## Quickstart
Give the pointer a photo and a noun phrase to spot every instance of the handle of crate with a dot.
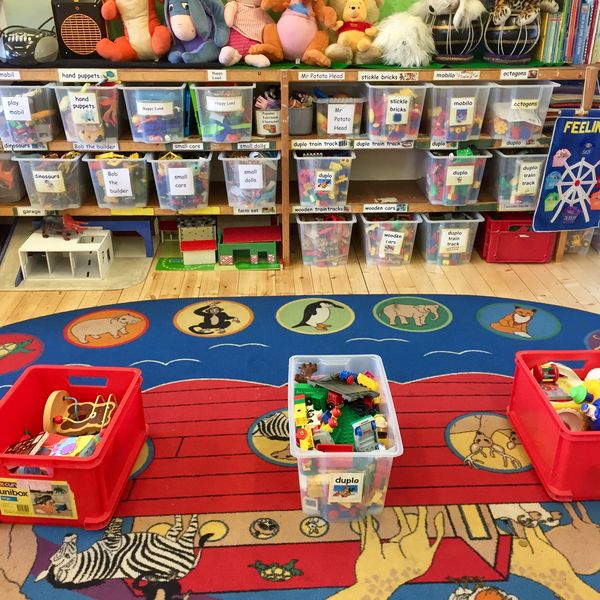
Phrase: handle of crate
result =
(585, 359)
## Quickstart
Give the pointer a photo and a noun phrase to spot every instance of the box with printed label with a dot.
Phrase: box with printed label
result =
(514, 178)
(28, 115)
(156, 114)
(251, 178)
(340, 115)
(90, 114)
(224, 112)
(325, 239)
(54, 183)
(349, 484)
(11, 182)
(454, 113)
(389, 238)
(451, 179)
(324, 177)
(518, 112)
(447, 238)
(53, 486)
(182, 183)
(121, 181)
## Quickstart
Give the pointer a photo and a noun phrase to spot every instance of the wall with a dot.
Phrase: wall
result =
(26, 12)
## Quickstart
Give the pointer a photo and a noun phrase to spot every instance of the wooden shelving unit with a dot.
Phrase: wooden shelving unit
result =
(404, 196)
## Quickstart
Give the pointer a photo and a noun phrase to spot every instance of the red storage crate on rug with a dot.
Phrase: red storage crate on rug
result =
(69, 490)
(509, 237)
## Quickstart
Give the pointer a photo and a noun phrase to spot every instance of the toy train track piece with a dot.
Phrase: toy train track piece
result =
(349, 392)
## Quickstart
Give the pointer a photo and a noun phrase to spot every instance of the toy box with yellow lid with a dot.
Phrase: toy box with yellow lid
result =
(339, 112)
(69, 440)
(325, 239)
(555, 410)
(54, 180)
(343, 432)
(120, 180)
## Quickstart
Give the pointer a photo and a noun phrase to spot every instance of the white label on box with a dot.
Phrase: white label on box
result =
(529, 176)
(99, 147)
(29, 211)
(520, 143)
(321, 209)
(16, 108)
(148, 108)
(443, 145)
(319, 144)
(84, 108)
(524, 103)
(451, 75)
(191, 146)
(370, 144)
(321, 76)
(381, 208)
(216, 75)
(251, 177)
(453, 241)
(391, 243)
(253, 146)
(398, 107)
(462, 111)
(268, 122)
(48, 182)
(117, 182)
(519, 74)
(346, 487)
(10, 75)
(18, 147)
(87, 75)
(340, 119)
(261, 210)
(224, 103)
(181, 181)
(388, 75)
(460, 175)
(324, 180)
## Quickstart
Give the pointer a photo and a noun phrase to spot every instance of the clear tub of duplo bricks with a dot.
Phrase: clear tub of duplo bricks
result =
(514, 177)
(454, 113)
(324, 177)
(325, 239)
(343, 486)
(389, 238)
(447, 238)
(28, 115)
(450, 179)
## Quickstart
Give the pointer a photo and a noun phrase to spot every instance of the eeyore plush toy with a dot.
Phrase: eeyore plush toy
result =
(198, 29)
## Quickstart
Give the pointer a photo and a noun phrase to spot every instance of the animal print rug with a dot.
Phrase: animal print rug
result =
(212, 509)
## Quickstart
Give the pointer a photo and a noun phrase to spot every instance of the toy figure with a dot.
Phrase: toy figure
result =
(247, 21)
(527, 10)
(296, 35)
(216, 320)
(198, 28)
(145, 38)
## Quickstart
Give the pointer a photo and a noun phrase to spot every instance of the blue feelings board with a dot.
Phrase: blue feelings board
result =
(570, 190)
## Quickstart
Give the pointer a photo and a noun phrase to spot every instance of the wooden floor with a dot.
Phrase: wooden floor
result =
(574, 282)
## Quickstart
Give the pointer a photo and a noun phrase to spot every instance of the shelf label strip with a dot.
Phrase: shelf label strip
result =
(85, 75)
(519, 74)
(448, 75)
(321, 209)
(375, 75)
(147, 211)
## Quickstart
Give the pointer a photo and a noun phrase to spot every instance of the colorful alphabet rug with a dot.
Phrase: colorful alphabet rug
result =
(213, 509)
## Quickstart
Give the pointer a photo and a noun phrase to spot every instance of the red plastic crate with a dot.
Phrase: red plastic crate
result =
(509, 237)
(567, 462)
(95, 482)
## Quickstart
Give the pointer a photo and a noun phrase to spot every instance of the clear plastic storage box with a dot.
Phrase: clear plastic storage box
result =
(251, 181)
(89, 115)
(119, 182)
(454, 113)
(182, 183)
(395, 111)
(339, 116)
(345, 486)
(447, 238)
(28, 114)
(324, 177)
(54, 183)
(452, 180)
(389, 238)
(225, 112)
(514, 177)
(578, 242)
(518, 112)
(11, 182)
(156, 114)
(325, 239)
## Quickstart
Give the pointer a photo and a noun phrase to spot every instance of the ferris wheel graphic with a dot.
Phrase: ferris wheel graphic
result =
(576, 186)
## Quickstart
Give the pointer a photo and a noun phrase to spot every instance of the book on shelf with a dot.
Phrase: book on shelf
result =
(541, 44)
(581, 31)
(589, 47)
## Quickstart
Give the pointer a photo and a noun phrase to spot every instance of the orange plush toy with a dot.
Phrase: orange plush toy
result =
(145, 38)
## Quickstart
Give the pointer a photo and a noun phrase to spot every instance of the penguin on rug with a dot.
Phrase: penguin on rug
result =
(316, 314)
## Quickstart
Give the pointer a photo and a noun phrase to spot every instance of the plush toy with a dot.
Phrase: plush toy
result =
(247, 21)
(527, 10)
(464, 11)
(145, 38)
(296, 35)
(198, 28)
(355, 34)
(404, 40)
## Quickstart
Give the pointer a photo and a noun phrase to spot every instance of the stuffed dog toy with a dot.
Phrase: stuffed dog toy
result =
(464, 11)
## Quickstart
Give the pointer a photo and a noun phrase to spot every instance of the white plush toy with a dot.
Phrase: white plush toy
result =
(464, 11)
(404, 40)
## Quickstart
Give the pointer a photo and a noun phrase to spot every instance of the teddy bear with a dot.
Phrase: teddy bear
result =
(355, 34)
